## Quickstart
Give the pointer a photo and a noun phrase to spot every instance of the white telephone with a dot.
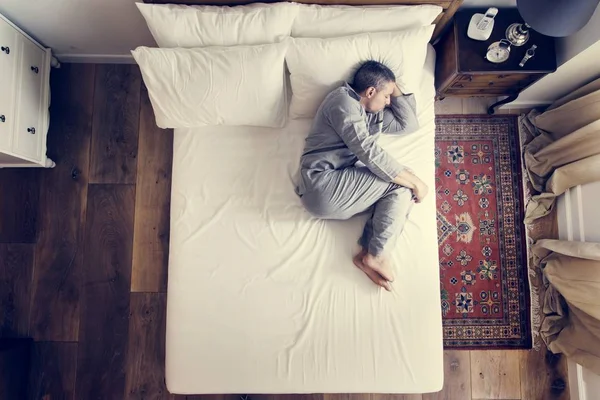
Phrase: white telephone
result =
(481, 25)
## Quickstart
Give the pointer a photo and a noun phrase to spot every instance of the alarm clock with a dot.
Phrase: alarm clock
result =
(498, 52)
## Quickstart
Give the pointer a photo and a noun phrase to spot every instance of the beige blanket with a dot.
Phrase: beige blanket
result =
(571, 303)
(566, 149)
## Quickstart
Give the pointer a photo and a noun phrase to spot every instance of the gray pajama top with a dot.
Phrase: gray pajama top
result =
(343, 133)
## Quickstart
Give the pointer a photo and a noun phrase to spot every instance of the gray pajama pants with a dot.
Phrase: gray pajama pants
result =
(343, 193)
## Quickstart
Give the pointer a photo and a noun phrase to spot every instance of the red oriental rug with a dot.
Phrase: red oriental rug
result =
(481, 237)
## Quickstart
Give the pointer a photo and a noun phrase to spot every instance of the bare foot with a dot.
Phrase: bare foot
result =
(380, 264)
(372, 274)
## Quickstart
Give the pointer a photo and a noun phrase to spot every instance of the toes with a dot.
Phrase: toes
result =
(386, 285)
(377, 279)
(385, 273)
(381, 269)
(360, 260)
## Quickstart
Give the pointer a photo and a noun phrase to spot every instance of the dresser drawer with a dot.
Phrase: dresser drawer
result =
(24, 98)
(8, 67)
(28, 132)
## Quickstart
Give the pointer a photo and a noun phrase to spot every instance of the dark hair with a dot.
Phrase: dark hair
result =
(372, 74)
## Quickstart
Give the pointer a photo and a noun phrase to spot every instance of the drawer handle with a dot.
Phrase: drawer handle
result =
(5, 49)
(501, 76)
(459, 85)
(2, 118)
(31, 130)
(470, 78)
(491, 84)
(35, 69)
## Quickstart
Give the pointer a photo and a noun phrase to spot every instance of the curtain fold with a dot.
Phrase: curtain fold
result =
(565, 151)
(571, 301)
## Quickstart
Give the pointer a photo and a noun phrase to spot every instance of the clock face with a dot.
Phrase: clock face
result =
(497, 54)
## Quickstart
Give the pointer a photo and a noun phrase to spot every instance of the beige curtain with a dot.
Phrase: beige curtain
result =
(565, 151)
(571, 300)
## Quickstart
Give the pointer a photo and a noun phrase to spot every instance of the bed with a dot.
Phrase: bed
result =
(264, 298)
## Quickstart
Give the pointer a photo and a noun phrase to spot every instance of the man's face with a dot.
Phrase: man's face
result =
(376, 100)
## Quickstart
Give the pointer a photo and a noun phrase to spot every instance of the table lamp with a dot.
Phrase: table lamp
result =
(556, 18)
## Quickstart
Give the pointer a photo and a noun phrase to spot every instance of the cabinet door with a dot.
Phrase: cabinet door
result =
(8, 67)
(28, 133)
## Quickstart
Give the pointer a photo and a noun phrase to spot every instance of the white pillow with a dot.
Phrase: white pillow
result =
(200, 26)
(319, 65)
(241, 85)
(333, 21)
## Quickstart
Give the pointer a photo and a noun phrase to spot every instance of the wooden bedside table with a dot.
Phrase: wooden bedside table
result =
(462, 71)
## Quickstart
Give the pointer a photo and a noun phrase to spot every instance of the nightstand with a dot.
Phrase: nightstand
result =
(462, 70)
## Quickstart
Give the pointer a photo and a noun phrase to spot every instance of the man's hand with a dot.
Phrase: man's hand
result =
(409, 180)
(397, 92)
(420, 191)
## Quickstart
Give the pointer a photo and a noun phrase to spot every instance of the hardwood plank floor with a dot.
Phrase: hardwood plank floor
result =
(53, 371)
(395, 397)
(543, 376)
(152, 204)
(495, 374)
(14, 368)
(59, 256)
(146, 352)
(19, 194)
(103, 236)
(211, 397)
(16, 268)
(106, 286)
(457, 377)
(115, 126)
(344, 396)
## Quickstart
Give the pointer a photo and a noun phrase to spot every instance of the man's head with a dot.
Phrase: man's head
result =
(375, 83)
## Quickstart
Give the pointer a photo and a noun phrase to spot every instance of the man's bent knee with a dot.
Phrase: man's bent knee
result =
(318, 206)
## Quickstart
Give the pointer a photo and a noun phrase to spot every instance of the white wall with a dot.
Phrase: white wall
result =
(574, 73)
(570, 46)
(101, 30)
(578, 214)
(105, 29)
(577, 58)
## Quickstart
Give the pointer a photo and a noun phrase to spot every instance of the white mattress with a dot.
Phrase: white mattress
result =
(263, 298)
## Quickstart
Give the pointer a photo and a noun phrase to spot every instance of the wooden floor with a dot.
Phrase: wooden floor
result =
(84, 247)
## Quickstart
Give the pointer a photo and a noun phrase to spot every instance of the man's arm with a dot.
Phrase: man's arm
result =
(407, 179)
(347, 120)
(401, 116)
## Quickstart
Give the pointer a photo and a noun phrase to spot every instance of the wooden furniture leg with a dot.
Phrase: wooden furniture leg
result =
(509, 99)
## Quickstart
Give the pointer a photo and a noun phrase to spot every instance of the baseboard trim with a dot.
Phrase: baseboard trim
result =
(572, 228)
(96, 58)
(525, 104)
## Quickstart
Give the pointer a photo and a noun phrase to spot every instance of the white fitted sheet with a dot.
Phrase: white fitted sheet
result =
(263, 298)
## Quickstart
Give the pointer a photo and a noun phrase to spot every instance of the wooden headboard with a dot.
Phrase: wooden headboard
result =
(450, 6)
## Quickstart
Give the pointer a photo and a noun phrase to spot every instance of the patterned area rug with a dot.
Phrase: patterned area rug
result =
(481, 237)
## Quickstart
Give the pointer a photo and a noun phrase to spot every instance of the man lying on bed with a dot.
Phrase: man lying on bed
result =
(344, 132)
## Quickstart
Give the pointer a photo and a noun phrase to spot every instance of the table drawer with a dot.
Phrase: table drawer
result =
(469, 92)
(460, 84)
(494, 80)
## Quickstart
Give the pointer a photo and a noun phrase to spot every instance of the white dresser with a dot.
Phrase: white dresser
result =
(24, 99)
